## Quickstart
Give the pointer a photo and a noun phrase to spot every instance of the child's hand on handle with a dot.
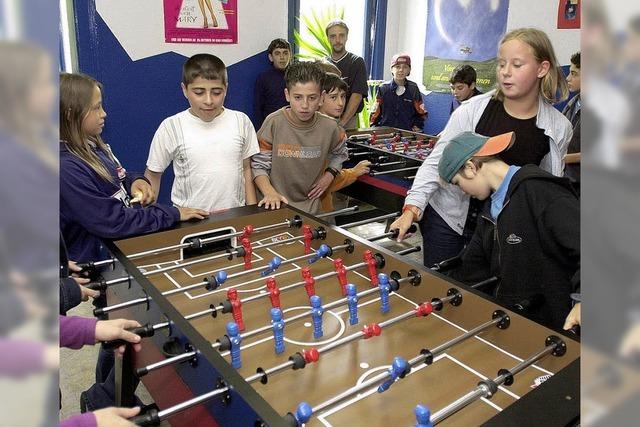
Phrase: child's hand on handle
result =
(320, 186)
(115, 417)
(191, 213)
(142, 192)
(272, 200)
(402, 224)
(362, 167)
(573, 319)
(110, 330)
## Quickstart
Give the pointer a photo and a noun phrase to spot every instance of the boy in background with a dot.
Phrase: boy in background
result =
(463, 85)
(399, 102)
(269, 90)
(296, 143)
(334, 98)
(528, 234)
(210, 145)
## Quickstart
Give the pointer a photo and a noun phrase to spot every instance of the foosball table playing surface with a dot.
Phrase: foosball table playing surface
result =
(277, 318)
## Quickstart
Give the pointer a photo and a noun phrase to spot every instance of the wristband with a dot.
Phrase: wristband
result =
(413, 209)
(332, 171)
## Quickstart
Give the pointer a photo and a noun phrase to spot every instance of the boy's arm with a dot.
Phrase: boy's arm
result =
(260, 169)
(250, 197)
(560, 223)
(339, 153)
(420, 112)
(161, 155)
(155, 179)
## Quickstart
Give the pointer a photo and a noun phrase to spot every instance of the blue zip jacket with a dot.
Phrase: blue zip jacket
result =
(404, 111)
(92, 208)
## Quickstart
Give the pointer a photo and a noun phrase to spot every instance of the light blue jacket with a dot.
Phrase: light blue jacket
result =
(450, 201)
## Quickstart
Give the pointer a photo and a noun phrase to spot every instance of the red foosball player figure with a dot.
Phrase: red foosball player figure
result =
(248, 252)
(341, 272)
(309, 282)
(371, 265)
(274, 292)
(308, 237)
(236, 307)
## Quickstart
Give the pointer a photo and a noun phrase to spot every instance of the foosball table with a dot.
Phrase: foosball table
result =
(276, 318)
(395, 157)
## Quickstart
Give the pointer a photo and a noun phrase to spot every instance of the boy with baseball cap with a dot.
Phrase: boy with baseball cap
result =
(528, 235)
(399, 102)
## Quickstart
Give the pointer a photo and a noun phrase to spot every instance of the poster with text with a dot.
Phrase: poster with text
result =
(201, 21)
(463, 32)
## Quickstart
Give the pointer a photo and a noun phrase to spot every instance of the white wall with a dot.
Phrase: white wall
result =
(407, 23)
(139, 27)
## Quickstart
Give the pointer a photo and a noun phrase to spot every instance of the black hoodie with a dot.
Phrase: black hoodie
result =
(533, 247)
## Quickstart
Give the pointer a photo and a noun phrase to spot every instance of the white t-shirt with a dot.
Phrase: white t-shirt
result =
(207, 158)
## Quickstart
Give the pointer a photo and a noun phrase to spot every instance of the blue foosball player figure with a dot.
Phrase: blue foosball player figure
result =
(385, 288)
(352, 300)
(233, 332)
(316, 315)
(423, 416)
(278, 329)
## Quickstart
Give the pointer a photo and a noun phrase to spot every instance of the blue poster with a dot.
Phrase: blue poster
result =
(463, 32)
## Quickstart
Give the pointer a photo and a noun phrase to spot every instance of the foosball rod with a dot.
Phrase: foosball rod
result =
(103, 284)
(154, 417)
(339, 212)
(499, 318)
(395, 280)
(414, 279)
(391, 234)
(487, 388)
(214, 281)
(376, 173)
(247, 230)
(380, 261)
(370, 220)
(299, 360)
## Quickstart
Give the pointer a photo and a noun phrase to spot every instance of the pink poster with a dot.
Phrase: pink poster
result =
(201, 21)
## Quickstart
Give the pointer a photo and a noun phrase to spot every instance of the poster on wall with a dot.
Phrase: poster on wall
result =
(463, 32)
(568, 14)
(201, 21)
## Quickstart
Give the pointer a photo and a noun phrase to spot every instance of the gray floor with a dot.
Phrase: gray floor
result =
(77, 367)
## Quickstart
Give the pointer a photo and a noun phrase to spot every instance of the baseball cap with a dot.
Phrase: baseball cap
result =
(401, 58)
(466, 145)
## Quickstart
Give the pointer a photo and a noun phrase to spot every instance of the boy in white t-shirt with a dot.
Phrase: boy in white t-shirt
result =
(210, 146)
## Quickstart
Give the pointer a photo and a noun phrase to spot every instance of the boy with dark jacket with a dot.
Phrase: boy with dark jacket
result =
(399, 102)
(528, 235)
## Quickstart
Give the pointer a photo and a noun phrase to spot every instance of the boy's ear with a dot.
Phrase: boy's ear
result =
(270, 57)
(543, 68)
(286, 94)
(184, 89)
(469, 169)
(472, 86)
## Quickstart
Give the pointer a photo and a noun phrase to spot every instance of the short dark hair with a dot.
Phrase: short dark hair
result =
(278, 44)
(333, 81)
(204, 65)
(463, 74)
(575, 59)
(303, 72)
(336, 23)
